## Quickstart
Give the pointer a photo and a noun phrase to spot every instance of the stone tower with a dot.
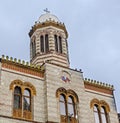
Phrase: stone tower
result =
(49, 41)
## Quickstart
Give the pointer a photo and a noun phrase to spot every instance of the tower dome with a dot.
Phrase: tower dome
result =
(48, 17)
(48, 41)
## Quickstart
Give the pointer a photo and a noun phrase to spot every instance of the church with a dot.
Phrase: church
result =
(47, 90)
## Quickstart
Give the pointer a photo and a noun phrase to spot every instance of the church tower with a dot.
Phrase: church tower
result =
(48, 41)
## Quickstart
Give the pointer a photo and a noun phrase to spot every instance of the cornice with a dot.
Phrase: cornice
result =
(22, 66)
(98, 84)
(47, 24)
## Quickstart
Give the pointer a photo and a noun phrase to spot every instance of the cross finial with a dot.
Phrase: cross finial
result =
(46, 10)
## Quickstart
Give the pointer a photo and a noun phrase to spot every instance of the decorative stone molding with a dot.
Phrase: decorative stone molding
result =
(98, 84)
(67, 93)
(104, 104)
(19, 113)
(100, 103)
(22, 66)
(31, 87)
(46, 24)
(23, 85)
(16, 83)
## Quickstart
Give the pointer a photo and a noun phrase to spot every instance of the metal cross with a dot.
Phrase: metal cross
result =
(46, 10)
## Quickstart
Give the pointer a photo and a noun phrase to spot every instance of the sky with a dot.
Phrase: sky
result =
(93, 27)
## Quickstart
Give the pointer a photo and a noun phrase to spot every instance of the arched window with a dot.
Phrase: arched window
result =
(42, 43)
(17, 98)
(56, 43)
(103, 115)
(62, 105)
(46, 43)
(70, 106)
(33, 47)
(96, 114)
(68, 102)
(27, 100)
(22, 99)
(101, 111)
(60, 44)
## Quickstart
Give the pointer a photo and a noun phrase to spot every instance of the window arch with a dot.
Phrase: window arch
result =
(27, 99)
(33, 47)
(101, 110)
(44, 43)
(62, 104)
(104, 115)
(96, 114)
(71, 106)
(58, 43)
(22, 99)
(17, 98)
(67, 105)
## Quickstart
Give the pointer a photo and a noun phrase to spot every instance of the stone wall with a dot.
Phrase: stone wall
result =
(54, 81)
(6, 95)
(45, 104)
(85, 113)
(109, 99)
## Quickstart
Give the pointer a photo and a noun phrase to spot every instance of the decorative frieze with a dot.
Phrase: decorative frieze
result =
(22, 66)
(98, 86)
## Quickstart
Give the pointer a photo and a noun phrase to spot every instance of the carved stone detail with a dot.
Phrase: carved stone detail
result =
(67, 93)
(100, 103)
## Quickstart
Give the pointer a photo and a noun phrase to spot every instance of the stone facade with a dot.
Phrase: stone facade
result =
(47, 77)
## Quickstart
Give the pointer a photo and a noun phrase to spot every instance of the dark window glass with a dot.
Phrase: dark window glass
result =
(56, 43)
(96, 114)
(60, 44)
(33, 45)
(62, 105)
(42, 43)
(34, 51)
(46, 43)
(27, 100)
(17, 98)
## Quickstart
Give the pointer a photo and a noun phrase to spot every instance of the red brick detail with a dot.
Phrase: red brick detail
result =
(98, 89)
(21, 68)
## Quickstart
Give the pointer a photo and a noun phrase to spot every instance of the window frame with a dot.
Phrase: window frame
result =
(28, 97)
(101, 104)
(68, 93)
(58, 44)
(18, 95)
(44, 43)
(20, 113)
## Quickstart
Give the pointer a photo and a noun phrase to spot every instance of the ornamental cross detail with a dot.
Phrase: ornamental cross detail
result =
(46, 10)
(65, 79)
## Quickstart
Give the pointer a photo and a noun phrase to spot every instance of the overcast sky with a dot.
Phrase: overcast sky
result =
(93, 27)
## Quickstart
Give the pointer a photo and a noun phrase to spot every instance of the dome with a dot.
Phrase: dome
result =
(47, 17)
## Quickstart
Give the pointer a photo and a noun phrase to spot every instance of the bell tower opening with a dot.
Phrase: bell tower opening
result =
(48, 41)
